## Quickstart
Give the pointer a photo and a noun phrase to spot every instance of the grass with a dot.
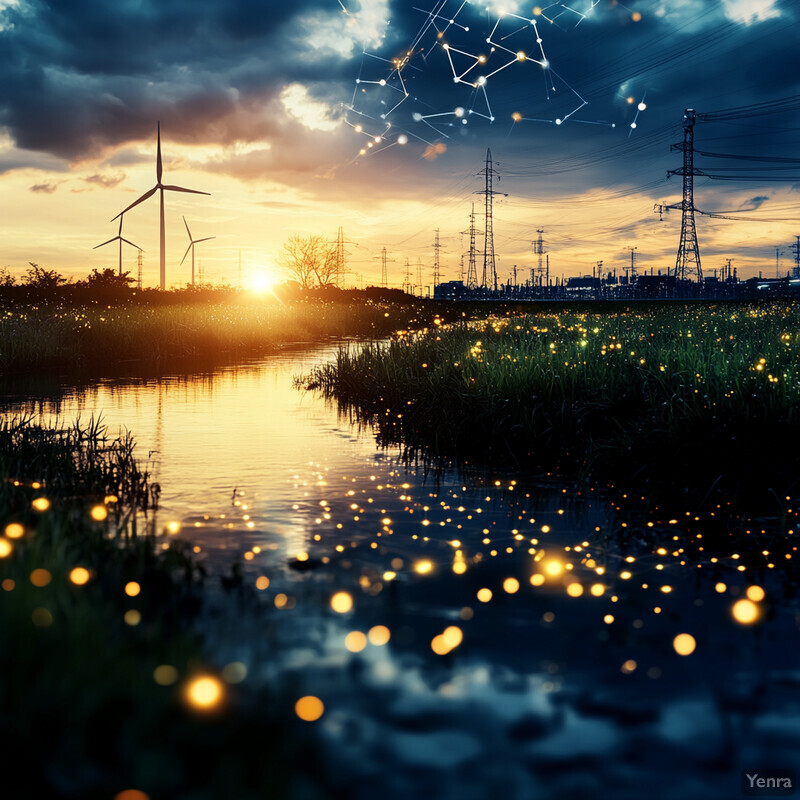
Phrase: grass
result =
(699, 399)
(78, 651)
(96, 339)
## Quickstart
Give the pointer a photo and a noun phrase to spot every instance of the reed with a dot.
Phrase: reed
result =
(79, 700)
(690, 395)
(98, 338)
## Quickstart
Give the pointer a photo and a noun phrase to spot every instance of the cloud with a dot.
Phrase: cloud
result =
(758, 201)
(44, 188)
(315, 115)
(749, 11)
(105, 181)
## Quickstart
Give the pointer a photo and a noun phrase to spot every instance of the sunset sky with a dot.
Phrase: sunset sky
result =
(254, 98)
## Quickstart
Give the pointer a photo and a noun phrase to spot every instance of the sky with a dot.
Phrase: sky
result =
(375, 116)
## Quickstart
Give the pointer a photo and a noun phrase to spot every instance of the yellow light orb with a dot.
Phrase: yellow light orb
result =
(453, 636)
(553, 568)
(15, 531)
(165, 675)
(98, 513)
(342, 602)
(132, 617)
(745, 612)
(379, 635)
(720, 588)
(484, 595)
(755, 593)
(132, 588)
(608, 619)
(537, 579)
(511, 585)
(41, 577)
(575, 590)
(439, 645)
(309, 708)
(79, 576)
(262, 582)
(204, 692)
(423, 567)
(41, 504)
(355, 641)
(131, 794)
(597, 590)
(684, 644)
(5, 548)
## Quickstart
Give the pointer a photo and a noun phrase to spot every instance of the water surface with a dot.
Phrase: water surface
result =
(566, 680)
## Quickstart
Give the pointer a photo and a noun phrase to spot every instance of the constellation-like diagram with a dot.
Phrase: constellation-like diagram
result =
(387, 109)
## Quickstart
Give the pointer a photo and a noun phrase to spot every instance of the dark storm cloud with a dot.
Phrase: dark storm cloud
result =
(78, 76)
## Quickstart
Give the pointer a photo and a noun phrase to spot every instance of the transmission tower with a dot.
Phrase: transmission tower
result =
(436, 265)
(339, 256)
(687, 263)
(419, 275)
(472, 267)
(538, 249)
(489, 260)
(384, 271)
(139, 271)
(407, 279)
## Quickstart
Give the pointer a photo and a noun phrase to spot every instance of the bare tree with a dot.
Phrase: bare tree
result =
(311, 260)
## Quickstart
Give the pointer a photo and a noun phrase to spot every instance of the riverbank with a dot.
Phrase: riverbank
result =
(108, 683)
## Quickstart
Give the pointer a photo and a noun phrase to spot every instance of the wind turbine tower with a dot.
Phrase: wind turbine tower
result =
(119, 238)
(161, 188)
(192, 243)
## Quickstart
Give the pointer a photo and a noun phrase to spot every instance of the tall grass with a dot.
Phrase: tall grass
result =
(91, 338)
(691, 395)
(81, 715)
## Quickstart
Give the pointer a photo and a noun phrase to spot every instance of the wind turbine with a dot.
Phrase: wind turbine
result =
(160, 187)
(192, 243)
(121, 240)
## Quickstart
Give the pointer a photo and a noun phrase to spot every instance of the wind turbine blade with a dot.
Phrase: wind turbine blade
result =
(207, 239)
(127, 241)
(136, 202)
(187, 228)
(108, 242)
(181, 189)
(187, 252)
(159, 166)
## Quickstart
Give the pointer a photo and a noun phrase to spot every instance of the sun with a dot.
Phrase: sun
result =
(262, 281)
